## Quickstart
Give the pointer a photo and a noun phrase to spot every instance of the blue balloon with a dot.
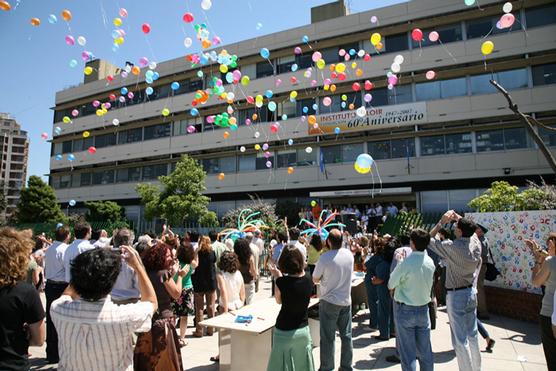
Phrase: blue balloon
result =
(268, 94)
(337, 130)
(229, 77)
(149, 90)
(290, 142)
(57, 130)
(156, 75)
(175, 85)
(315, 106)
(294, 67)
(305, 39)
(352, 52)
(149, 80)
(71, 157)
(194, 112)
(123, 90)
(284, 117)
(272, 106)
(52, 19)
(305, 109)
(364, 161)
(343, 104)
(58, 157)
(265, 53)
(72, 203)
(116, 34)
(73, 63)
(149, 74)
(115, 48)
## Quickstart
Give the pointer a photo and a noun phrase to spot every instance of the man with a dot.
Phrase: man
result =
(55, 276)
(412, 281)
(462, 257)
(94, 332)
(392, 210)
(217, 246)
(482, 310)
(126, 288)
(333, 271)
(81, 244)
(103, 240)
(443, 235)
(294, 237)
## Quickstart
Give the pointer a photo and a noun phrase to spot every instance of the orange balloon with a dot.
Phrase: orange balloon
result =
(359, 72)
(66, 14)
(206, 44)
(4, 5)
(135, 70)
(226, 135)
(333, 88)
(351, 106)
(379, 46)
(35, 22)
(254, 117)
(290, 170)
(312, 119)
(232, 120)
(221, 176)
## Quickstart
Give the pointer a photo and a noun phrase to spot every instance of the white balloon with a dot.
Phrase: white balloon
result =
(206, 4)
(361, 111)
(152, 65)
(187, 42)
(507, 8)
(308, 149)
(395, 67)
(115, 122)
(81, 40)
(257, 134)
(242, 149)
(399, 59)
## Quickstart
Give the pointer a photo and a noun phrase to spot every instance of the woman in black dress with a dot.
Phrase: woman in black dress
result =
(204, 284)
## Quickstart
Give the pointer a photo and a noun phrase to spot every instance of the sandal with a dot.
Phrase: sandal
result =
(183, 342)
(215, 359)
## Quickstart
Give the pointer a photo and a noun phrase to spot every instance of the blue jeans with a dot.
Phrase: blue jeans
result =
(462, 312)
(334, 317)
(372, 301)
(413, 336)
(385, 318)
(482, 330)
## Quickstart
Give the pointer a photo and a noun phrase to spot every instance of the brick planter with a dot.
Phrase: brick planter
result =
(520, 305)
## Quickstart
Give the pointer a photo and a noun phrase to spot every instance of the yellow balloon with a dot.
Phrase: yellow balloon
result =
(321, 64)
(245, 80)
(487, 47)
(293, 94)
(353, 65)
(119, 41)
(376, 38)
(340, 67)
(326, 87)
(66, 120)
(361, 170)
(88, 70)
(99, 112)
(223, 68)
(257, 147)
(117, 22)
(165, 112)
(86, 134)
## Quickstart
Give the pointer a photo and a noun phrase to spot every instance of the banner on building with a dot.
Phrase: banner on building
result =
(375, 118)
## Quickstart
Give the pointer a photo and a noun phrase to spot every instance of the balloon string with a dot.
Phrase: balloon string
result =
(488, 34)
(447, 50)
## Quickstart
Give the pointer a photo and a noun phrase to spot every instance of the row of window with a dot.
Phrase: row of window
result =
(533, 17)
(481, 141)
(443, 89)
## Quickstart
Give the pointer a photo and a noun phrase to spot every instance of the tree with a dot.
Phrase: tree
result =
(179, 198)
(501, 196)
(38, 203)
(108, 211)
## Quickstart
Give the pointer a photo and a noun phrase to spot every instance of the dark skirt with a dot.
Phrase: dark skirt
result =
(158, 349)
(184, 305)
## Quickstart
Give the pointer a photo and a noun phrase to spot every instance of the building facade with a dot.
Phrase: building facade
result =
(436, 143)
(13, 160)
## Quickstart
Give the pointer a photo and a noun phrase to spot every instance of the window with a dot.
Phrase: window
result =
(306, 107)
(330, 55)
(286, 158)
(540, 16)
(434, 201)
(548, 136)
(82, 144)
(484, 26)
(400, 94)
(338, 104)
(180, 127)
(492, 140)
(284, 64)
(344, 153)
(66, 146)
(65, 181)
(105, 140)
(395, 43)
(351, 151)
(261, 161)
(85, 179)
(130, 136)
(131, 174)
(265, 69)
(431, 146)
(402, 148)
(426, 91)
(304, 60)
(332, 154)
(103, 177)
(511, 80)
(458, 143)
(219, 165)
(544, 74)
(379, 150)
(515, 138)
(306, 159)
(157, 131)
(75, 180)
(152, 172)
(448, 34)
(247, 163)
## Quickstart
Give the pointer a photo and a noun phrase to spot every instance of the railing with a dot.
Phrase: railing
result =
(407, 221)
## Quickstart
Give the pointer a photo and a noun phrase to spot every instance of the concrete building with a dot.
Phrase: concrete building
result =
(437, 143)
(13, 160)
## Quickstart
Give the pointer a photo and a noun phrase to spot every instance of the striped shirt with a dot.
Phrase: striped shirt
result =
(98, 335)
(462, 256)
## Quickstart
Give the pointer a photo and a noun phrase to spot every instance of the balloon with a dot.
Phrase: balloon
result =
(188, 17)
(368, 98)
(326, 101)
(123, 12)
(146, 28)
(5, 6)
(75, 113)
(221, 176)
(395, 67)
(92, 150)
(71, 157)
(115, 122)
(194, 112)
(507, 8)
(35, 22)
(363, 163)
(52, 19)
(507, 20)
(361, 111)
(430, 75)
(187, 42)
(293, 94)
(226, 134)
(399, 59)
(434, 36)
(165, 112)
(294, 67)
(271, 106)
(275, 127)
(44, 136)
(58, 157)
(245, 80)
(88, 70)
(487, 47)
(66, 15)
(375, 38)
(175, 85)
(297, 50)
(81, 40)
(149, 90)
(313, 203)
(340, 68)
(290, 142)
(117, 22)
(242, 149)
(72, 203)
(143, 61)
(469, 2)
(417, 35)
(66, 120)
(337, 130)
(86, 134)
(309, 150)
(321, 63)
(312, 119)
(123, 90)
(135, 70)
(265, 53)
(290, 170)
(268, 164)
(206, 4)
(305, 39)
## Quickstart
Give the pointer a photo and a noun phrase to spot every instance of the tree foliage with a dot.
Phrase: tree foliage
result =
(502, 196)
(108, 211)
(38, 203)
(290, 210)
(180, 196)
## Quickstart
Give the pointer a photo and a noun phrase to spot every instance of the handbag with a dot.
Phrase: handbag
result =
(491, 272)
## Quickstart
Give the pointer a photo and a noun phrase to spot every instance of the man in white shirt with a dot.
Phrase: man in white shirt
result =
(334, 271)
(95, 333)
(81, 244)
(55, 276)
(294, 240)
(126, 287)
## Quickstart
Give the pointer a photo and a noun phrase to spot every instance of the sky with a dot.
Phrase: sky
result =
(34, 61)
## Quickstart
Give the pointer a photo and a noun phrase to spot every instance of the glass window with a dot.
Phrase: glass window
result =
(380, 97)
(286, 158)
(54, 182)
(400, 94)
(434, 201)
(152, 172)
(515, 138)
(157, 131)
(247, 163)
(65, 181)
(459, 198)
(85, 179)
(487, 26)
(492, 140)
(453, 88)
(426, 91)
(284, 64)
(305, 105)
(261, 161)
(330, 55)
(480, 84)
(105, 140)
(431, 146)
(540, 16)
(379, 150)
(332, 154)
(544, 74)
(130, 136)
(180, 127)
(210, 165)
(66, 146)
(227, 164)
(131, 174)
(351, 151)
(458, 143)
(288, 108)
(548, 136)
(396, 43)
(306, 159)
(304, 60)
(82, 144)
(103, 177)
(264, 69)
(448, 34)
(403, 148)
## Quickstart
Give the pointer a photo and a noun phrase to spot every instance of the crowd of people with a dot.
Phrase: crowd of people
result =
(123, 303)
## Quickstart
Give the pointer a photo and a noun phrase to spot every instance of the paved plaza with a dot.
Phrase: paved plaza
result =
(518, 346)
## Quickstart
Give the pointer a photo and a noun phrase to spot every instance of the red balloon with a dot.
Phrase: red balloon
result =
(293, 80)
(146, 28)
(367, 57)
(188, 17)
(250, 99)
(110, 78)
(112, 96)
(356, 86)
(417, 35)
(342, 76)
(369, 85)
(92, 150)
(334, 75)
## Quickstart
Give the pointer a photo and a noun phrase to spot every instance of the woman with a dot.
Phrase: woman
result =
(291, 339)
(21, 311)
(246, 267)
(159, 348)
(315, 250)
(204, 285)
(544, 274)
(183, 306)
(373, 258)
(230, 286)
(380, 281)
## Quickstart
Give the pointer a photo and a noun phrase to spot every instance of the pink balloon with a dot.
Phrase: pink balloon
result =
(297, 50)
(75, 113)
(210, 119)
(191, 129)
(143, 61)
(123, 12)
(417, 35)
(327, 101)
(430, 75)
(316, 56)
(44, 136)
(368, 97)
(96, 103)
(107, 105)
(313, 82)
(70, 40)
(434, 36)
(278, 82)
(507, 20)
(393, 80)
(247, 122)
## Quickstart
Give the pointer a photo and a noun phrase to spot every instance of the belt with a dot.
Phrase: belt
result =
(52, 282)
(413, 306)
(460, 288)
